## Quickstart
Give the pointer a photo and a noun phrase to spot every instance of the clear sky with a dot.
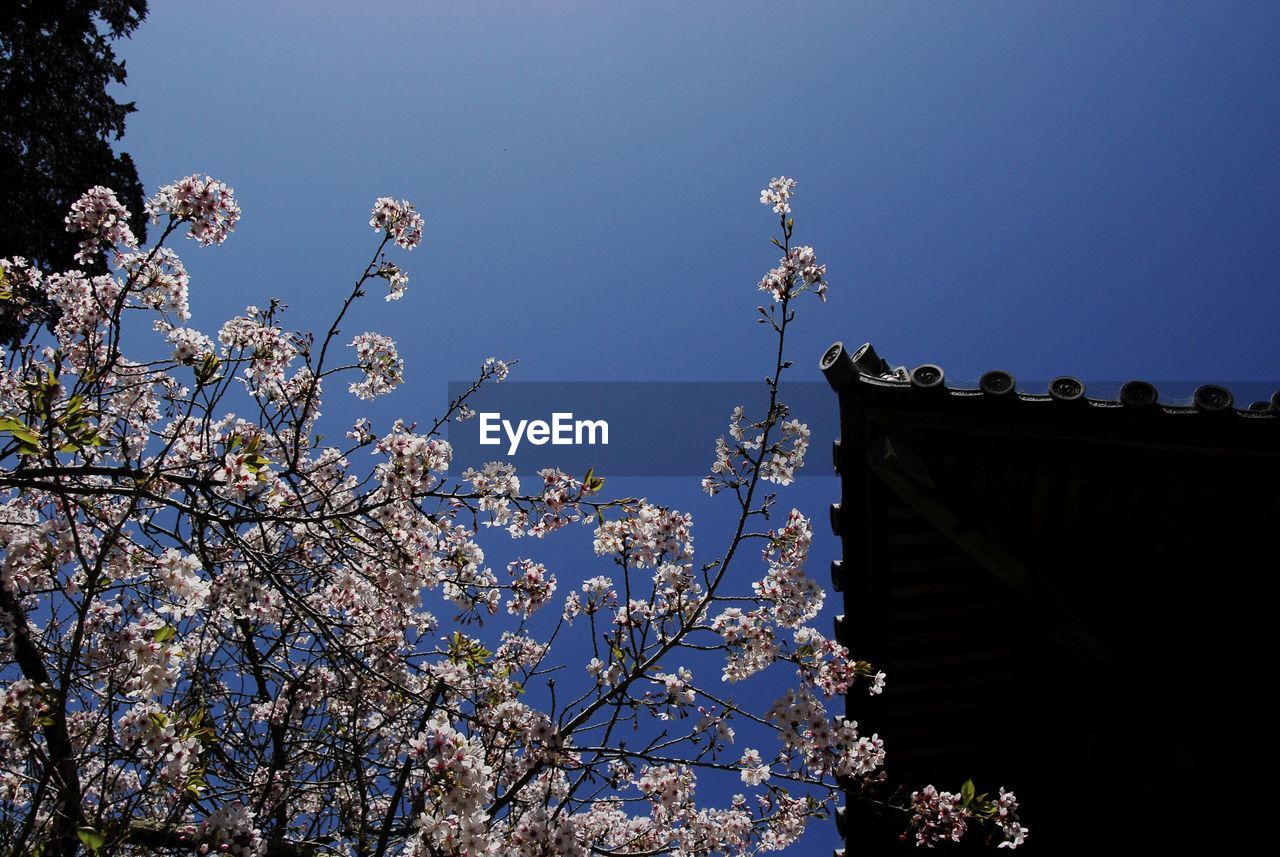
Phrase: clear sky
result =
(1084, 188)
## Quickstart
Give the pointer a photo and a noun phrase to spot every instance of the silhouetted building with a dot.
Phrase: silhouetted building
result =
(1069, 597)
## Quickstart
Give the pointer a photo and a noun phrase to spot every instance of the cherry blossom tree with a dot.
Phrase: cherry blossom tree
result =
(223, 634)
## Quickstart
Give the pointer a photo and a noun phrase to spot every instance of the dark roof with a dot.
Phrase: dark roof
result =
(1136, 398)
(1066, 592)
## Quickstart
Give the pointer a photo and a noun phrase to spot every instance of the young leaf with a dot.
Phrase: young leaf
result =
(91, 839)
(20, 430)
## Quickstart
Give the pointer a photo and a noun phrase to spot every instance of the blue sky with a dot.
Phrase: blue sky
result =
(1084, 188)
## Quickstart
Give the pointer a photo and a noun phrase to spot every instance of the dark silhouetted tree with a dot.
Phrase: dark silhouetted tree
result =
(57, 123)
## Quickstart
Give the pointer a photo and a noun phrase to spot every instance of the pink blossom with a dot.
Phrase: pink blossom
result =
(378, 359)
(206, 203)
(798, 271)
(531, 587)
(778, 194)
(398, 220)
(754, 771)
(159, 281)
(99, 214)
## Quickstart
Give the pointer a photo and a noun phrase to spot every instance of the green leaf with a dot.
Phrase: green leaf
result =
(967, 791)
(468, 651)
(165, 634)
(26, 435)
(92, 839)
(20, 430)
(195, 783)
(207, 370)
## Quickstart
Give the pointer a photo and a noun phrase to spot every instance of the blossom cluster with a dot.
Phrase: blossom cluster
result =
(787, 454)
(86, 303)
(159, 279)
(103, 220)
(531, 587)
(190, 345)
(207, 204)
(777, 462)
(179, 575)
(412, 460)
(399, 221)
(232, 830)
(225, 633)
(647, 535)
(397, 280)
(21, 285)
(496, 486)
(380, 362)
(946, 817)
(677, 694)
(823, 745)
(778, 195)
(268, 348)
(496, 368)
(796, 272)
(749, 639)
(795, 597)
